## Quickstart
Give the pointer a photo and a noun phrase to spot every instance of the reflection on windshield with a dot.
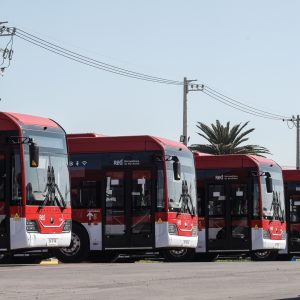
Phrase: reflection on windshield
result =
(49, 183)
(273, 203)
(182, 193)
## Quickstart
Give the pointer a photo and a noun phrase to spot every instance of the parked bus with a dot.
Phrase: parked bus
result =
(35, 207)
(292, 196)
(130, 193)
(241, 206)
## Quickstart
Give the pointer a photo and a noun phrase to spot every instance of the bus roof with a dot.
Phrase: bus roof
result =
(23, 119)
(88, 134)
(208, 161)
(291, 175)
(94, 144)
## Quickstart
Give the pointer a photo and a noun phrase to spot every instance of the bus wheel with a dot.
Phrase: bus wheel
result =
(263, 255)
(79, 248)
(104, 257)
(5, 258)
(178, 254)
(206, 257)
(285, 257)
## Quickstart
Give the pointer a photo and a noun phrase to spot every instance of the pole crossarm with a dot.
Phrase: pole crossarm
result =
(7, 31)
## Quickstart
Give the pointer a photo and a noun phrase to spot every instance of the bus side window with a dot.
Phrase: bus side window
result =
(2, 179)
(160, 204)
(256, 210)
(89, 194)
(16, 180)
(84, 194)
(201, 201)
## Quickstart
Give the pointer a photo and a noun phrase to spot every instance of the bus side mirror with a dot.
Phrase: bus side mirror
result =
(269, 183)
(176, 168)
(34, 155)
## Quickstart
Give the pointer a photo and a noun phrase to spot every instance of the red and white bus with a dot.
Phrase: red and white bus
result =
(291, 180)
(241, 206)
(130, 193)
(35, 207)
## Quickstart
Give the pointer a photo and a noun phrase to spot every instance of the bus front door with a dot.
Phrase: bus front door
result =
(227, 215)
(4, 204)
(293, 221)
(128, 210)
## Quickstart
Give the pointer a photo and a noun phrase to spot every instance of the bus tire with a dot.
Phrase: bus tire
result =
(263, 255)
(5, 258)
(79, 248)
(104, 257)
(179, 254)
(285, 257)
(206, 257)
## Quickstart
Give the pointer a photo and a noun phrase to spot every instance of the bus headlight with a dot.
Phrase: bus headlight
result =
(67, 226)
(172, 229)
(195, 231)
(266, 234)
(32, 226)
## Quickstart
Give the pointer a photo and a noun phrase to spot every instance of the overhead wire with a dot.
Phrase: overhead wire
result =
(89, 61)
(238, 107)
(245, 105)
(74, 56)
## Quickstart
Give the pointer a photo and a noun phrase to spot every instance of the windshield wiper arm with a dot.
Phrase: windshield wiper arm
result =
(51, 186)
(62, 202)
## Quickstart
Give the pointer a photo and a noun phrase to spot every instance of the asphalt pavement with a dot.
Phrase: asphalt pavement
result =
(152, 280)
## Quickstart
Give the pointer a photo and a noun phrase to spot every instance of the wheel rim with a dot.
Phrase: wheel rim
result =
(181, 252)
(262, 254)
(74, 247)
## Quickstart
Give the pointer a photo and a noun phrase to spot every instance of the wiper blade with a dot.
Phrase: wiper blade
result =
(51, 186)
(62, 202)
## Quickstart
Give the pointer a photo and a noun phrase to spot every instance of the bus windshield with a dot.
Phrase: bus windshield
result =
(273, 203)
(182, 193)
(48, 184)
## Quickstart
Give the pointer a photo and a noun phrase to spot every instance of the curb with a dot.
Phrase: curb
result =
(50, 261)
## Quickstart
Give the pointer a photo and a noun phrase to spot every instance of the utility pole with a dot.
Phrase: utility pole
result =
(7, 52)
(187, 87)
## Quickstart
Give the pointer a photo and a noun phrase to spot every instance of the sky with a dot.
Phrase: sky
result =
(247, 50)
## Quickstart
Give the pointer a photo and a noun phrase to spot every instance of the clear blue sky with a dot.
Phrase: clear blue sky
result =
(248, 50)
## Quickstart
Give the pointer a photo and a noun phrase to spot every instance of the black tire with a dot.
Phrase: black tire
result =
(5, 258)
(206, 257)
(178, 254)
(79, 249)
(264, 255)
(285, 257)
(104, 257)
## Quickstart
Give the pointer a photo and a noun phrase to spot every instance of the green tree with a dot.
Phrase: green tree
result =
(226, 140)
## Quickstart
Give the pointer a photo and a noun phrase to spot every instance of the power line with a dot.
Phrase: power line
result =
(239, 107)
(77, 57)
(89, 61)
(245, 105)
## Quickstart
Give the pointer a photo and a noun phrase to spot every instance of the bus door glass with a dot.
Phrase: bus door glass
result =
(216, 215)
(4, 219)
(294, 220)
(115, 228)
(128, 217)
(141, 208)
(239, 227)
(227, 213)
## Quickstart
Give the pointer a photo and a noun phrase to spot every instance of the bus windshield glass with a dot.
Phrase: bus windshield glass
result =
(182, 193)
(48, 184)
(273, 203)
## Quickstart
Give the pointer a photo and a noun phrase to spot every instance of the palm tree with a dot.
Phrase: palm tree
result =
(226, 140)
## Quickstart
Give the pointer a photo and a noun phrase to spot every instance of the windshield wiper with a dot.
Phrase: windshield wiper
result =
(51, 187)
